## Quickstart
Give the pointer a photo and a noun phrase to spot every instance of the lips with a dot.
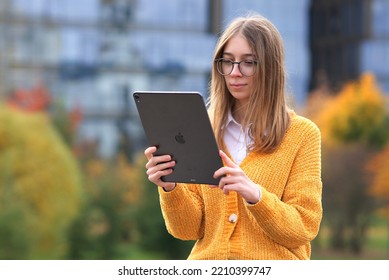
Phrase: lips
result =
(237, 86)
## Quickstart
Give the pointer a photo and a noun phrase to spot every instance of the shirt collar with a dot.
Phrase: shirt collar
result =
(230, 119)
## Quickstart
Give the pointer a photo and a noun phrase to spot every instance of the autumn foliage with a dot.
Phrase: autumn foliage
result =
(356, 114)
(37, 99)
(40, 187)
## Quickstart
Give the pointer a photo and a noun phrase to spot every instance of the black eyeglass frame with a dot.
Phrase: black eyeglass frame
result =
(218, 60)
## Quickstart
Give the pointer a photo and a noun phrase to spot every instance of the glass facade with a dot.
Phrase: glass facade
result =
(375, 50)
(348, 38)
(291, 19)
(380, 18)
(92, 54)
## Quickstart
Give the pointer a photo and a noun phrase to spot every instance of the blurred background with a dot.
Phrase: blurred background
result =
(72, 176)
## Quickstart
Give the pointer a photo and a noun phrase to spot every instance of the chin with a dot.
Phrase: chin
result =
(241, 96)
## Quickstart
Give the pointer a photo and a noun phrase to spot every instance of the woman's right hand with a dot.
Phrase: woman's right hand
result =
(158, 166)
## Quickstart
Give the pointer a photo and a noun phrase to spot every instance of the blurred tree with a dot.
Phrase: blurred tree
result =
(39, 187)
(378, 167)
(105, 224)
(153, 235)
(347, 205)
(38, 99)
(354, 125)
(121, 216)
(357, 114)
(67, 123)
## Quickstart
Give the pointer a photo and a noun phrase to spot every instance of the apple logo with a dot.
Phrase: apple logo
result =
(180, 138)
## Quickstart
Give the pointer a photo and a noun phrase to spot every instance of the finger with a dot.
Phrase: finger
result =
(226, 159)
(229, 187)
(159, 167)
(225, 190)
(156, 177)
(155, 160)
(149, 152)
(228, 180)
(227, 171)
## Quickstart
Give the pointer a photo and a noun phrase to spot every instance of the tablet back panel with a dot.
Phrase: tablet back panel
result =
(178, 124)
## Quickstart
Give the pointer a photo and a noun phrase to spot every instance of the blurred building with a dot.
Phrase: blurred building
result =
(93, 54)
(291, 19)
(347, 38)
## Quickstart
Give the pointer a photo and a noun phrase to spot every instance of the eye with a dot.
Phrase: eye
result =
(250, 62)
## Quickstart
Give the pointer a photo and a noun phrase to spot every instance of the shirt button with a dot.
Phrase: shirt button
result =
(233, 218)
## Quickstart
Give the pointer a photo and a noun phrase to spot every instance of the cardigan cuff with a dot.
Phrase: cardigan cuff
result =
(259, 195)
(173, 199)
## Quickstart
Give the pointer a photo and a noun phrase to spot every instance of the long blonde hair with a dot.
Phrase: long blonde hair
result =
(267, 113)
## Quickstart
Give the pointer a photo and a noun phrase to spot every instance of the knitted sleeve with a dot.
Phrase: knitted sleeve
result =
(182, 210)
(294, 219)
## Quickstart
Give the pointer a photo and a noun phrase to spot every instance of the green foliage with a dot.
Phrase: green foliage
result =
(15, 222)
(62, 122)
(105, 223)
(152, 230)
(121, 216)
(39, 187)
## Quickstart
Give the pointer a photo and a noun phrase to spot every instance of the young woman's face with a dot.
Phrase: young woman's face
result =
(239, 85)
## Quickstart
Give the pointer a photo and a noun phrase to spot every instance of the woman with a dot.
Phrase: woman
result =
(268, 204)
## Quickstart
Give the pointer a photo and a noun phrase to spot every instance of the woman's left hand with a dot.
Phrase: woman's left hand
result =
(236, 180)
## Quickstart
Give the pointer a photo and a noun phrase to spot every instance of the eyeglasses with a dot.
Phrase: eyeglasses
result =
(226, 66)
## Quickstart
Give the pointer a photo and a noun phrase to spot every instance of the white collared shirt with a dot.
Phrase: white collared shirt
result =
(236, 140)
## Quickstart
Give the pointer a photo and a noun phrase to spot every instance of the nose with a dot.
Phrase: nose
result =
(236, 71)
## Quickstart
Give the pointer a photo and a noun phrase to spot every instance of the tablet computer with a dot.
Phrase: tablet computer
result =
(177, 123)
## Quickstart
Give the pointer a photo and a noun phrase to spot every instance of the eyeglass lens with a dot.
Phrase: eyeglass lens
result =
(246, 67)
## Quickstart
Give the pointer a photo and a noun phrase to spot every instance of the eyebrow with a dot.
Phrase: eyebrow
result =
(244, 55)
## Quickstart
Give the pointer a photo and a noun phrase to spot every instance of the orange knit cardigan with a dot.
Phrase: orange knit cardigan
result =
(280, 226)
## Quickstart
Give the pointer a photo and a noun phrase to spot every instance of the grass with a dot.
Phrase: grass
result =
(132, 252)
(375, 248)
